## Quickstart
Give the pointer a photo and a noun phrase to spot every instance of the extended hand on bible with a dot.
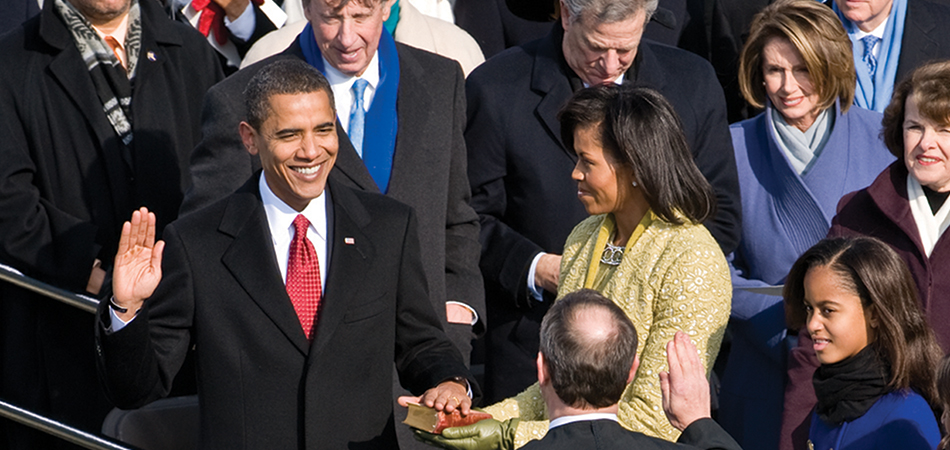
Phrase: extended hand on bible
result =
(489, 434)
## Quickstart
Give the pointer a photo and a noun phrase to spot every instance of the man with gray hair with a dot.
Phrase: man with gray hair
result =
(588, 356)
(520, 170)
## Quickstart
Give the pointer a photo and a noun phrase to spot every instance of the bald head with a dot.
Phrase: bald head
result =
(589, 346)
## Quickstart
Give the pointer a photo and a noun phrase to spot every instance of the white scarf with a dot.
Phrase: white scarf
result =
(930, 226)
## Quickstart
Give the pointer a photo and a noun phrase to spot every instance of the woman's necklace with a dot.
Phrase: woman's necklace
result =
(612, 254)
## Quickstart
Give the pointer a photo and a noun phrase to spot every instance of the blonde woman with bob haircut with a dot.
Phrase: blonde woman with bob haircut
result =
(795, 160)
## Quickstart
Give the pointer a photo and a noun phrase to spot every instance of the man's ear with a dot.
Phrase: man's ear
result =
(387, 6)
(306, 10)
(633, 369)
(565, 16)
(543, 376)
(248, 133)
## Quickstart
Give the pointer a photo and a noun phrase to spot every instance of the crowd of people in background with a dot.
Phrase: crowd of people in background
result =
(311, 212)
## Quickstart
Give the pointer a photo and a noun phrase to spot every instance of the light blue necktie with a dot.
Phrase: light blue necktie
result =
(869, 42)
(357, 115)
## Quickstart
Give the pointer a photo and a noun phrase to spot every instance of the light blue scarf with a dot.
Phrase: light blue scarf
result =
(802, 147)
(875, 94)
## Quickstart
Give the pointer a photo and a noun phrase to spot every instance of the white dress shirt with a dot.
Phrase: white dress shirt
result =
(280, 220)
(342, 86)
(878, 32)
(564, 420)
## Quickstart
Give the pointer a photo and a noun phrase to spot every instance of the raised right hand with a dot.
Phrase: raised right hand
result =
(138, 263)
(684, 388)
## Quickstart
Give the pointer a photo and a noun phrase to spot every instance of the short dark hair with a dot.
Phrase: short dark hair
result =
(284, 76)
(639, 127)
(873, 272)
(930, 86)
(587, 373)
(816, 32)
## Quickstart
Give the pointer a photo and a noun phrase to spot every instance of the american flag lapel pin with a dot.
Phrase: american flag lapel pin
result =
(349, 241)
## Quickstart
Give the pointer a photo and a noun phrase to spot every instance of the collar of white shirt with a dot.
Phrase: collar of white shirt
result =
(879, 32)
(341, 85)
(618, 81)
(280, 220)
(564, 420)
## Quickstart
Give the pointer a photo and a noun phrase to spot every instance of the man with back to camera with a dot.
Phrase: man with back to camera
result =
(297, 291)
(587, 359)
(520, 171)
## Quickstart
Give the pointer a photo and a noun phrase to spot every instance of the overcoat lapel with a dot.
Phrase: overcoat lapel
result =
(156, 34)
(548, 79)
(793, 205)
(647, 71)
(826, 178)
(245, 221)
(917, 43)
(890, 196)
(415, 117)
(350, 165)
(352, 251)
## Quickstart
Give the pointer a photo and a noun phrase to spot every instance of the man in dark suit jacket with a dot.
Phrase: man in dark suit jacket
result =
(428, 168)
(587, 359)
(67, 181)
(266, 379)
(925, 36)
(520, 171)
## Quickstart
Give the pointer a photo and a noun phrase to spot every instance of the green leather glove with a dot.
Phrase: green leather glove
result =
(488, 434)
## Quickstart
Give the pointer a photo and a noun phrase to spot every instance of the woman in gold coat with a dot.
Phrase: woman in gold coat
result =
(644, 247)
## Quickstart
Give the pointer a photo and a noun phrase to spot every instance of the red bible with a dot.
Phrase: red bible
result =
(428, 419)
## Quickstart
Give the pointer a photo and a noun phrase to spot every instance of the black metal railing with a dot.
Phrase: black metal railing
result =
(15, 277)
(58, 429)
(29, 418)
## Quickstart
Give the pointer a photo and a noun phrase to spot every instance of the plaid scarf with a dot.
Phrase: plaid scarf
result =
(112, 81)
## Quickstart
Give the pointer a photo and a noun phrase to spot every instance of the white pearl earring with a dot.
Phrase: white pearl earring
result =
(634, 184)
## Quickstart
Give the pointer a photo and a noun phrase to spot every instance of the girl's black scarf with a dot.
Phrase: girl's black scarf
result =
(848, 388)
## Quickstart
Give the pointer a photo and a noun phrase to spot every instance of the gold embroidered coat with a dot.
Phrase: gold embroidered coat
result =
(671, 277)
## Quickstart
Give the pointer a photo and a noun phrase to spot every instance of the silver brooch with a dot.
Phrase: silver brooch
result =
(612, 255)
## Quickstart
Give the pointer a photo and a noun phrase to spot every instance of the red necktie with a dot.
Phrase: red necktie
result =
(303, 276)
